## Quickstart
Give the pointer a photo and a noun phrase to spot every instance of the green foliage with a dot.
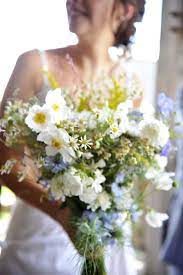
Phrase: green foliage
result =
(88, 245)
(118, 94)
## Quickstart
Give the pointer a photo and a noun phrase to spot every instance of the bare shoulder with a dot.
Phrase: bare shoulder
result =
(25, 77)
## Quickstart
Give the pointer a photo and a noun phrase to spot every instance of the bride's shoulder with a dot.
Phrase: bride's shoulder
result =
(33, 59)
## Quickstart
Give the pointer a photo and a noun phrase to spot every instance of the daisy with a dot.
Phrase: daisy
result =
(39, 118)
(57, 103)
(57, 141)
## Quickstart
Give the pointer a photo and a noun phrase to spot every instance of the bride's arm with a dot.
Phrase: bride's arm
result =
(26, 77)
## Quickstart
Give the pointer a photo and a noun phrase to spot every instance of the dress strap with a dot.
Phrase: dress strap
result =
(45, 67)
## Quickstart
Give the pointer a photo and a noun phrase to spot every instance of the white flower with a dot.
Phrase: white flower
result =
(101, 163)
(163, 181)
(123, 108)
(155, 131)
(156, 219)
(147, 109)
(103, 201)
(73, 185)
(151, 173)
(103, 114)
(133, 128)
(89, 195)
(56, 187)
(161, 161)
(39, 118)
(115, 131)
(57, 103)
(154, 172)
(119, 127)
(88, 118)
(99, 178)
(58, 142)
(87, 155)
(85, 143)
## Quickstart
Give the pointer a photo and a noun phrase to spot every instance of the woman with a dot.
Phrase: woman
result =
(36, 244)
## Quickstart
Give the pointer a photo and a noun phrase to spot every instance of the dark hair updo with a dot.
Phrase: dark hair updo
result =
(127, 29)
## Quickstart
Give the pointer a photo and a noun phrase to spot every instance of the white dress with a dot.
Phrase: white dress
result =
(36, 244)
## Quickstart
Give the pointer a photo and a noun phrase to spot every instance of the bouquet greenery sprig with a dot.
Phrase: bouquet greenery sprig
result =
(96, 152)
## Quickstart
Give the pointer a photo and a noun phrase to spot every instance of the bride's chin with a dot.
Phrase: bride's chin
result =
(78, 29)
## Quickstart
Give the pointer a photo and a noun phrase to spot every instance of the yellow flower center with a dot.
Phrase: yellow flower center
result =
(56, 143)
(40, 118)
(55, 107)
(115, 129)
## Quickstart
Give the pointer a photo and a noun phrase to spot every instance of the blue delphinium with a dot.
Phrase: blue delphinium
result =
(166, 149)
(55, 164)
(136, 213)
(116, 189)
(135, 115)
(165, 105)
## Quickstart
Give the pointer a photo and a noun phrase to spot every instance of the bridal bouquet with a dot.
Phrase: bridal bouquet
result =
(98, 155)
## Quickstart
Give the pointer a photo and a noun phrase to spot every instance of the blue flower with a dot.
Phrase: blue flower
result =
(91, 216)
(166, 149)
(116, 190)
(165, 105)
(56, 165)
(120, 178)
(135, 115)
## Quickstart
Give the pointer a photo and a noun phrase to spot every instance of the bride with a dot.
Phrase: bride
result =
(37, 242)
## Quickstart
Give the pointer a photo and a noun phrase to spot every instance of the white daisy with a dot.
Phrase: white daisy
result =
(57, 103)
(39, 118)
(58, 142)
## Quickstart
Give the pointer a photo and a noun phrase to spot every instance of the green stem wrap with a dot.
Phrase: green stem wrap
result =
(89, 246)
(94, 268)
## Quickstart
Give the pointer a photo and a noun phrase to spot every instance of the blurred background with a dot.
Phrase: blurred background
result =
(157, 55)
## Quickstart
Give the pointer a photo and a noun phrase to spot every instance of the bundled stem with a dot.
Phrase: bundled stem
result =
(94, 268)
(89, 246)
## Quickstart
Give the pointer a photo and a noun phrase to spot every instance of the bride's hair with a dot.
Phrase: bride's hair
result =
(127, 28)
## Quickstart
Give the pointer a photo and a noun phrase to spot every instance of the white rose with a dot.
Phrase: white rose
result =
(155, 131)
(156, 219)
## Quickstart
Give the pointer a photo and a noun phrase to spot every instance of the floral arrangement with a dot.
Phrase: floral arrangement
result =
(98, 155)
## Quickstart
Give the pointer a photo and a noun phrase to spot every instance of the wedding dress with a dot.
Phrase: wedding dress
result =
(38, 245)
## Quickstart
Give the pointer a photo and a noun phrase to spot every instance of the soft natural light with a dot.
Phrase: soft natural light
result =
(26, 25)
(147, 38)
